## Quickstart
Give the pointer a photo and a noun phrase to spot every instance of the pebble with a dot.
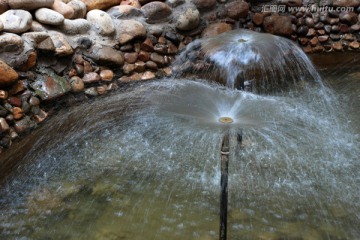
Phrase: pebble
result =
(63, 47)
(4, 6)
(124, 11)
(30, 4)
(156, 12)
(4, 126)
(204, 4)
(76, 26)
(128, 68)
(140, 66)
(34, 101)
(348, 17)
(129, 30)
(48, 16)
(91, 77)
(216, 29)
(87, 68)
(337, 46)
(17, 113)
(106, 75)
(64, 9)
(91, 91)
(3, 94)
(237, 9)
(147, 75)
(48, 87)
(278, 25)
(14, 101)
(16, 21)
(131, 57)
(106, 55)
(157, 58)
(354, 45)
(188, 20)
(100, 4)
(143, 56)
(101, 22)
(101, 89)
(8, 75)
(346, 3)
(41, 116)
(77, 84)
(79, 8)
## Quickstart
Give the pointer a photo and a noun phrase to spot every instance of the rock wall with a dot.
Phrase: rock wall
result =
(51, 48)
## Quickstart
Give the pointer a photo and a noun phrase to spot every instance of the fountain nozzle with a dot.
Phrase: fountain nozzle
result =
(226, 120)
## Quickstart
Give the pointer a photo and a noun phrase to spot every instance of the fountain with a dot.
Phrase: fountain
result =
(144, 163)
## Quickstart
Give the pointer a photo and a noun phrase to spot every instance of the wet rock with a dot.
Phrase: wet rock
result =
(216, 29)
(64, 9)
(140, 66)
(23, 125)
(337, 46)
(129, 30)
(204, 4)
(188, 20)
(17, 113)
(30, 4)
(40, 40)
(354, 45)
(124, 11)
(91, 91)
(355, 28)
(348, 37)
(311, 32)
(156, 12)
(10, 42)
(143, 56)
(100, 4)
(346, 3)
(30, 61)
(50, 87)
(278, 25)
(335, 37)
(4, 126)
(62, 46)
(106, 55)
(323, 38)
(14, 101)
(101, 22)
(302, 30)
(91, 77)
(314, 41)
(237, 9)
(133, 3)
(290, 3)
(3, 94)
(131, 57)
(77, 84)
(258, 18)
(106, 75)
(16, 21)
(79, 8)
(48, 16)
(147, 45)
(344, 28)
(101, 90)
(8, 76)
(157, 58)
(4, 6)
(34, 101)
(147, 75)
(87, 68)
(349, 17)
(309, 22)
(76, 26)
(41, 116)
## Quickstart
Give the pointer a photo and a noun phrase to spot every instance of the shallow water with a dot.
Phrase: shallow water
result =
(144, 164)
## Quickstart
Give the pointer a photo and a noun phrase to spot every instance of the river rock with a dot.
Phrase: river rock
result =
(290, 3)
(157, 58)
(106, 75)
(51, 86)
(30, 4)
(4, 6)
(48, 16)
(323, 38)
(101, 22)
(188, 20)
(337, 46)
(346, 3)
(156, 12)
(8, 76)
(216, 29)
(147, 75)
(204, 4)
(10, 42)
(16, 21)
(64, 9)
(79, 8)
(76, 83)
(237, 9)
(106, 55)
(278, 25)
(354, 45)
(91, 77)
(40, 40)
(100, 4)
(348, 17)
(129, 30)
(4, 127)
(62, 46)
(124, 11)
(76, 26)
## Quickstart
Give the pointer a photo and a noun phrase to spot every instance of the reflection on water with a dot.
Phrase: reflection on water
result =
(144, 164)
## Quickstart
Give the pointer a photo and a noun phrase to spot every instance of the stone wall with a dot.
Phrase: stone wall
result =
(52, 48)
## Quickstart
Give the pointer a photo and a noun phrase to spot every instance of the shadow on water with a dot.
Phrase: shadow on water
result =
(143, 163)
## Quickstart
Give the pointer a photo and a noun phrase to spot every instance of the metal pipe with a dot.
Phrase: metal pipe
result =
(224, 185)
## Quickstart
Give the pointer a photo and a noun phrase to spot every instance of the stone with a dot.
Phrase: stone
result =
(67, 11)
(37, 27)
(302, 30)
(216, 29)
(140, 66)
(311, 32)
(91, 91)
(4, 6)
(30, 61)
(131, 57)
(337, 46)
(335, 37)
(41, 116)
(151, 65)
(91, 77)
(51, 86)
(204, 4)
(278, 25)
(87, 68)
(17, 113)
(101, 89)
(23, 125)
(349, 17)
(10, 42)
(100, 4)
(48, 16)
(346, 3)
(16, 21)
(348, 37)
(77, 84)
(147, 45)
(79, 8)
(34, 101)
(156, 12)
(344, 28)
(3, 94)
(76, 26)
(30, 4)
(143, 56)
(237, 9)
(309, 22)
(129, 30)
(106, 55)
(147, 75)
(8, 75)
(314, 41)
(157, 58)
(303, 40)
(128, 68)
(355, 28)
(354, 45)
(133, 3)
(4, 126)
(106, 75)
(290, 3)
(323, 38)
(62, 45)
(101, 22)
(188, 20)
(40, 40)
(258, 18)
(124, 11)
